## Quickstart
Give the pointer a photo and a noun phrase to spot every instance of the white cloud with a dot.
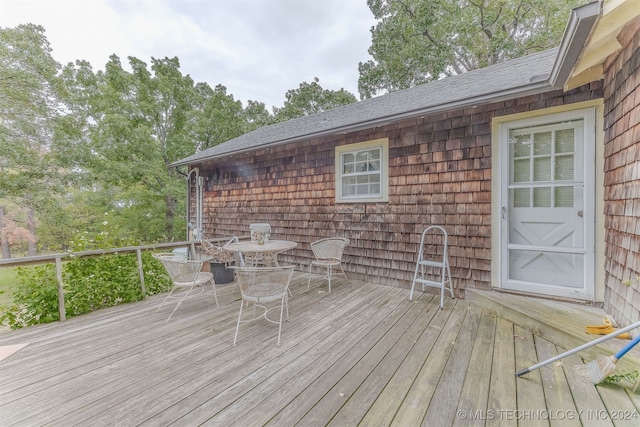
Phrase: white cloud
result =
(258, 49)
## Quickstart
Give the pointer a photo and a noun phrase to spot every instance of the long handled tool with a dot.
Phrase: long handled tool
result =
(602, 367)
(580, 348)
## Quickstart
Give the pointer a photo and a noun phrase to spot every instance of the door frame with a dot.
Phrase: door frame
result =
(594, 291)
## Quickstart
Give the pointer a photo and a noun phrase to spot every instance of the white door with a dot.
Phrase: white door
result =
(547, 233)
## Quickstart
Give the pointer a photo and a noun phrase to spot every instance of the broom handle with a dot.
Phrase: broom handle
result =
(584, 346)
(628, 347)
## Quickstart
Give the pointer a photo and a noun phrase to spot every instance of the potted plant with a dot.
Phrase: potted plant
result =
(220, 262)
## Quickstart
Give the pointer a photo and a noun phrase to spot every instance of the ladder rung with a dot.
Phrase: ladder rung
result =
(430, 282)
(431, 263)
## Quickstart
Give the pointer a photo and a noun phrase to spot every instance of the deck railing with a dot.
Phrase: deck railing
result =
(58, 258)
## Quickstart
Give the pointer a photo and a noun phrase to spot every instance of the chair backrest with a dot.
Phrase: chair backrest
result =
(250, 276)
(178, 267)
(219, 254)
(329, 248)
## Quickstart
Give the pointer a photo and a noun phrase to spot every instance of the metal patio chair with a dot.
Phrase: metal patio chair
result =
(186, 275)
(328, 253)
(432, 266)
(261, 286)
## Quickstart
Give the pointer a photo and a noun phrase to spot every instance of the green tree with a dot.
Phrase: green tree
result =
(137, 125)
(256, 115)
(416, 41)
(311, 98)
(216, 117)
(131, 125)
(29, 110)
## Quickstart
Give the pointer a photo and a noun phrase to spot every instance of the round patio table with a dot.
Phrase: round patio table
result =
(265, 254)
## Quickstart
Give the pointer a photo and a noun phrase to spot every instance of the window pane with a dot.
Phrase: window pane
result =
(564, 141)
(521, 145)
(542, 143)
(521, 171)
(361, 185)
(521, 198)
(348, 158)
(368, 160)
(542, 197)
(542, 169)
(564, 168)
(564, 197)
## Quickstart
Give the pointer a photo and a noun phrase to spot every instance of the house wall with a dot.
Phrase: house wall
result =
(439, 173)
(622, 183)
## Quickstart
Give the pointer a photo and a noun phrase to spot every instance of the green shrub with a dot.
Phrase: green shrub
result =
(89, 284)
(35, 299)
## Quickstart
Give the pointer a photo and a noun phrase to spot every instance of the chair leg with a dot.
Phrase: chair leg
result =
(165, 299)
(286, 306)
(309, 275)
(179, 303)
(235, 337)
(342, 269)
(329, 274)
(282, 304)
(215, 295)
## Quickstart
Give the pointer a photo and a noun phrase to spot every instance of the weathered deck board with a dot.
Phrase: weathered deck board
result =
(415, 405)
(360, 355)
(502, 385)
(529, 390)
(442, 408)
(475, 390)
(357, 407)
(392, 395)
(559, 401)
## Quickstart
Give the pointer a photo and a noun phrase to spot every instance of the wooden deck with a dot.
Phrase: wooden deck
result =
(360, 355)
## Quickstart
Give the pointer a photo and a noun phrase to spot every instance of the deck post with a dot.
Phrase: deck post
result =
(141, 272)
(61, 309)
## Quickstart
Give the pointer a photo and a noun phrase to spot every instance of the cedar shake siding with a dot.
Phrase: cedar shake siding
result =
(439, 173)
(622, 183)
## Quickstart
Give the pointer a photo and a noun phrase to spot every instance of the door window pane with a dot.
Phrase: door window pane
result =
(564, 141)
(564, 169)
(542, 143)
(542, 197)
(564, 197)
(521, 198)
(521, 145)
(542, 169)
(521, 171)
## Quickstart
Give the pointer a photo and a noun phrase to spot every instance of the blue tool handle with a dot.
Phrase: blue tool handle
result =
(628, 347)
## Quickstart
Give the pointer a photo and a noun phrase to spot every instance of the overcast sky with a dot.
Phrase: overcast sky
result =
(258, 49)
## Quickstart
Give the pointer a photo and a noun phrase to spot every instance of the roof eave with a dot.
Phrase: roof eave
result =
(576, 34)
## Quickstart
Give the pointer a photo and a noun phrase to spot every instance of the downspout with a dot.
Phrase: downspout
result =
(197, 228)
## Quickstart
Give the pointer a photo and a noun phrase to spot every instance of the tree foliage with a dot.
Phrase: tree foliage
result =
(90, 152)
(28, 120)
(416, 41)
(311, 98)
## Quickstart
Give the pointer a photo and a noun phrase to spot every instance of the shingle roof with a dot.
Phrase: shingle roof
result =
(517, 77)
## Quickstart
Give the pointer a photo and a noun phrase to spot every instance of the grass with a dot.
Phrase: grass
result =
(8, 284)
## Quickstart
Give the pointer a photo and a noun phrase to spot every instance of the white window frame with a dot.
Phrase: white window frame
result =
(381, 144)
